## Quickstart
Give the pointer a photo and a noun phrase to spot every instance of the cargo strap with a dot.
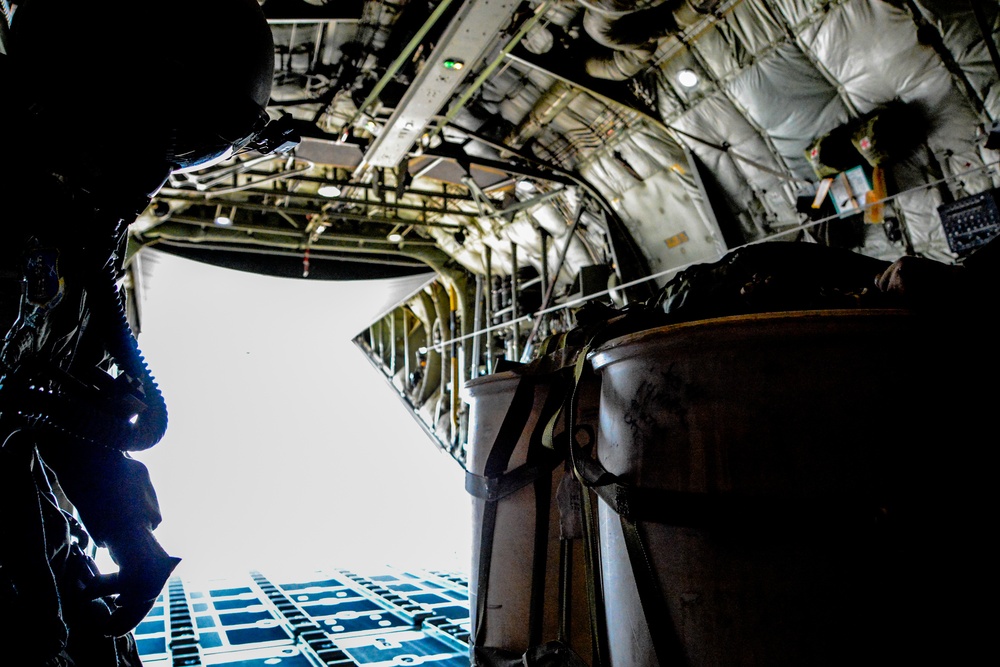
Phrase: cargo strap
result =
(687, 509)
(493, 489)
(564, 356)
(595, 595)
(560, 365)
(496, 462)
(593, 476)
(496, 484)
(691, 509)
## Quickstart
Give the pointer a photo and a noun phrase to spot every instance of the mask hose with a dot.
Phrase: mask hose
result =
(49, 391)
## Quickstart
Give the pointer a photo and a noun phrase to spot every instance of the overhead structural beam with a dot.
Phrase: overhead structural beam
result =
(269, 234)
(521, 168)
(299, 178)
(280, 252)
(470, 90)
(398, 62)
(528, 203)
(464, 42)
(365, 216)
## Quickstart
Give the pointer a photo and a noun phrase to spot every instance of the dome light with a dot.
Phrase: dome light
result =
(223, 219)
(328, 190)
(687, 78)
(395, 237)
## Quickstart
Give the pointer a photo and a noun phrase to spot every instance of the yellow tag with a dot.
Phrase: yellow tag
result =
(677, 239)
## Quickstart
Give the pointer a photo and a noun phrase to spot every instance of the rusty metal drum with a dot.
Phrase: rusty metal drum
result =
(815, 441)
(532, 588)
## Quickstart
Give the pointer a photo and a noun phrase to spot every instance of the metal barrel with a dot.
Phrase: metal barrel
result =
(804, 491)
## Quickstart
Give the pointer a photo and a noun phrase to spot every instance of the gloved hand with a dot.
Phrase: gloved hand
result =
(144, 568)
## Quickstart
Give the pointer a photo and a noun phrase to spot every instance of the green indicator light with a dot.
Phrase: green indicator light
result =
(453, 64)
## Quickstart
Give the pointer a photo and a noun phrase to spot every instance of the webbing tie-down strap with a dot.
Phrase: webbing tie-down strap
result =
(696, 510)
(493, 489)
(666, 643)
(562, 361)
(496, 484)
(496, 462)
(593, 476)
(820, 517)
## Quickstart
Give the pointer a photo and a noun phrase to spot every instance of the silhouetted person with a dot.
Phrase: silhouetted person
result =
(101, 103)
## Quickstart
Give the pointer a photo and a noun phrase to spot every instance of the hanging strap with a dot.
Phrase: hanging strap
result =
(691, 509)
(561, 366)
(537, 451)
(563, 361)
(592, 476)
(666, 643)
(595, 595)
(496, 484)
(496, 462)
(687, 509)
(493, 489)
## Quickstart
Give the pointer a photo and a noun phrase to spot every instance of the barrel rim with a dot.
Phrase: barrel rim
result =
(626, 346)
(482, 381)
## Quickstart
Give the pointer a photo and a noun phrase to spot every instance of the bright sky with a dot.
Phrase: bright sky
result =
(286, 448)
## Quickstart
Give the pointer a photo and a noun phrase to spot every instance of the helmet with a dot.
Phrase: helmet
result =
(121, 89)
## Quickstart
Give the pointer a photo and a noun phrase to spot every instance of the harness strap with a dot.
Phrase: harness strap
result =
(493, 489)
(503, 447)
(691, 509)
(537, 451)
(666, 643)
(595, 596)
(687, 509)
(561, 364)
(593, 477)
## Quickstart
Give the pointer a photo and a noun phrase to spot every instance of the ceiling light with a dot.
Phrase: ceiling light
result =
(224, 219)
(328, 190)
(687, 78)
(395, 237)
